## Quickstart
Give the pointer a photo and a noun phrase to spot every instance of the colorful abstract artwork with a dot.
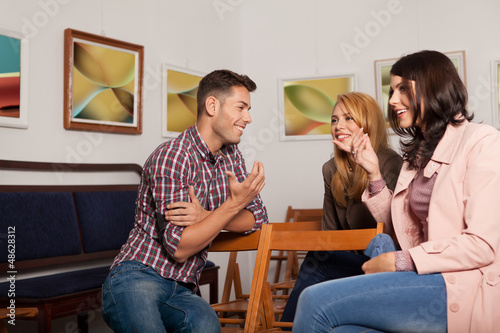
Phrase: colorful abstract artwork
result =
(383, 77)
(104, 79)
(308, 105)
(13, 111)
(179, 99)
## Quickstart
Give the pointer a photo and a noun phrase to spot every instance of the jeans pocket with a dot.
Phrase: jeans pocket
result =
(126, 267)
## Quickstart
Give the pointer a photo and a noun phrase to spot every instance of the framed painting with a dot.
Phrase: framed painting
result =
(307, 104)
(102, 83)
(13, 79)
(458, 59)
(179, 99)
(383, 77)
(383, 83)
(495, 86)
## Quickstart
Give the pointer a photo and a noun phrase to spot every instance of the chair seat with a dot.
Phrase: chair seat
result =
(237, 305)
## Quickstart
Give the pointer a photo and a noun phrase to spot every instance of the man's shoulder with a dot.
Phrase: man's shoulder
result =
(177, 148)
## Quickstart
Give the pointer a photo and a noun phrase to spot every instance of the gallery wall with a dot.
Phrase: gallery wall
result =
(267, 39)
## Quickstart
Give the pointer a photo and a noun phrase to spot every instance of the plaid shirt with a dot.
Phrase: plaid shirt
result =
(166, 177)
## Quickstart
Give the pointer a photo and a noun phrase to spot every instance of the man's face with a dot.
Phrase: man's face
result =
(233, 116)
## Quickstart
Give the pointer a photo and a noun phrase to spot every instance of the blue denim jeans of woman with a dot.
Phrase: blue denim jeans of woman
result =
(323, 266)
(136, 298)
(381, 302)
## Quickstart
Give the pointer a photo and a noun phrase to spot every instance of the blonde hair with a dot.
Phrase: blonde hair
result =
(366, 114)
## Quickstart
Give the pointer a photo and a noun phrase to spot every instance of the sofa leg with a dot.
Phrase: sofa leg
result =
(83, 325)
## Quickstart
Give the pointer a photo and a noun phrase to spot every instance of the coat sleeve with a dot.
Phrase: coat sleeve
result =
(390, 164)
(330, 219)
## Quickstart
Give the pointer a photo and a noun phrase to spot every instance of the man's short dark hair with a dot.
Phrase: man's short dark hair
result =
(219, 84)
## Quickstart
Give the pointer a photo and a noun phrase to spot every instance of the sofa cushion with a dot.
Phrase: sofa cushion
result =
(105, 217)
(45, 224)
(58, 284)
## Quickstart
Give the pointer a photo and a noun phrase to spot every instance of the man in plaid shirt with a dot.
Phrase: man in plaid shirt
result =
(191, 188)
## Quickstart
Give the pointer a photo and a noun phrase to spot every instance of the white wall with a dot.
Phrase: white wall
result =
(267, 40)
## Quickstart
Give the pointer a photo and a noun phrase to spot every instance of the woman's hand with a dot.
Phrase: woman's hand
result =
(386, 262)
(186, 213)
(362, 153)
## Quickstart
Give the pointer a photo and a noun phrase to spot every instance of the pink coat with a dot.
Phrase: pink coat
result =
(464, 224)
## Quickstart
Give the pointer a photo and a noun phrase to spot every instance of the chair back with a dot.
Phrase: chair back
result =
(304, 236)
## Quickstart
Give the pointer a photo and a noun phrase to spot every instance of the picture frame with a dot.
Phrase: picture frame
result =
(307, 104)
(383, 78)
(383, 83)
(179, 106)
(103, 80)
(495, 86)
(14, 62)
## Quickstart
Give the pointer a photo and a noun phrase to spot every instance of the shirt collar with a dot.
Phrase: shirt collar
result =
(202, 147)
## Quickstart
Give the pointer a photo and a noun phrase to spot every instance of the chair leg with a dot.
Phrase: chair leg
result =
(278, 268)
(83, 324)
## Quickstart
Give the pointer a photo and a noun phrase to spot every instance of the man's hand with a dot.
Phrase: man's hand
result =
(186, 213)
(386, 262)
(241, 194)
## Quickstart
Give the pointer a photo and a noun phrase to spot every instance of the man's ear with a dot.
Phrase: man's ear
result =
(211, 104)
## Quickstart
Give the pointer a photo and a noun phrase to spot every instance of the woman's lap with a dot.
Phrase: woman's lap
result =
(390, 302)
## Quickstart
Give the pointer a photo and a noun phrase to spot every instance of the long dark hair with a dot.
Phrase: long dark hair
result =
(440, 98)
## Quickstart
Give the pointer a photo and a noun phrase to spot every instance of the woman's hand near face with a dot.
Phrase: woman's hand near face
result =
(363, 154)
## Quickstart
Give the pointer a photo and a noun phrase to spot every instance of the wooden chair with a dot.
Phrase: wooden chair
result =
(237, 307)
(18, 313)
(306, 236)
(294, 215)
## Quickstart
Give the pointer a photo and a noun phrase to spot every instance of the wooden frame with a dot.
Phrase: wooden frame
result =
(383, 79)
(102, 83)
(382, 83)
(179, 109)
(495, 85)
(13, 79)
(307, 104)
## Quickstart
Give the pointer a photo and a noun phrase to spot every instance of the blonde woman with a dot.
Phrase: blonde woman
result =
(344, 183)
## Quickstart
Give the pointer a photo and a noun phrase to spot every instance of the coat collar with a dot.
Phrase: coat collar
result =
(443, 154)
(450, 142)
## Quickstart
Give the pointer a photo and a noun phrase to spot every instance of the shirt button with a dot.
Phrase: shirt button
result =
(454, 307)
(437, 247)
(451, 279)
(491, 276)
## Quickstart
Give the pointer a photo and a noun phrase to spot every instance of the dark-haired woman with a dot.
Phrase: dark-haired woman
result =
(444, 213)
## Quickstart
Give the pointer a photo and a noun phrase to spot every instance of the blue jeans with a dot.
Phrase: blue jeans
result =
(382, 302)
(135, 298)
(323, 266)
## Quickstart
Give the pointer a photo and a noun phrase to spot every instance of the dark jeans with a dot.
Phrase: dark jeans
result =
(136, 299)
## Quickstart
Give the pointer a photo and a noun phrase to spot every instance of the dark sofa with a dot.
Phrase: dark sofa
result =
(68, 235)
